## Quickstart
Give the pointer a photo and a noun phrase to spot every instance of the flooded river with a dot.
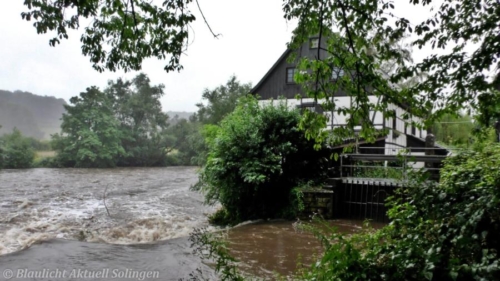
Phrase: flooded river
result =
(125, 224)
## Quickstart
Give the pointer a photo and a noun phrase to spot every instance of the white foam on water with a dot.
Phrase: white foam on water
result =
(155, 211)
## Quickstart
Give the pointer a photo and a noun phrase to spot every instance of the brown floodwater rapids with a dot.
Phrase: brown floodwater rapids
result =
(128, 224)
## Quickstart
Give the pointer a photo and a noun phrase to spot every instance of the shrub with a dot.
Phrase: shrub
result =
(256, 157)
(449, 231)
(17, 152)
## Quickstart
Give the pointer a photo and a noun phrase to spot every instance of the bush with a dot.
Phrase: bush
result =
(255, 159)
(449, 231)
(17, 152)
(221, 217)
(45, 162)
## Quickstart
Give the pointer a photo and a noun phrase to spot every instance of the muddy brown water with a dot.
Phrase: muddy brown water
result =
(127, 224)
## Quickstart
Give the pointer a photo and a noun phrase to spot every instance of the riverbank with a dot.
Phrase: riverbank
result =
(136, 218)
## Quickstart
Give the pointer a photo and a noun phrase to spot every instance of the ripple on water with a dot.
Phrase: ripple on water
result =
(144, 205)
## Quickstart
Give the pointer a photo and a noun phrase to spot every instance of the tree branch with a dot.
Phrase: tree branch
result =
(104, 200)
(202, 15)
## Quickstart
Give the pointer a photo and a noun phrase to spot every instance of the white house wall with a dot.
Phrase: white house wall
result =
(393, 146)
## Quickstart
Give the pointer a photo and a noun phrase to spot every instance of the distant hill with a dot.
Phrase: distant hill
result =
(35, 116)
(180, 114)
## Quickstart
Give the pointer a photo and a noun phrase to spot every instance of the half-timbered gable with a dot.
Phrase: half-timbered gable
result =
(279, 82)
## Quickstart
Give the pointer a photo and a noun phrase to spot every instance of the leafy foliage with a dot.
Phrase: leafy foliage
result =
(189, 136)
(188, 141)
(122, 126)
(143, 124)
(461, 72)
(211, 246)
(446, 232)
(90, 132)
(221, 101)
(454, 129)
(256, 158)
(16, 151)
(122, 33)
(489, 111)
(449, 79)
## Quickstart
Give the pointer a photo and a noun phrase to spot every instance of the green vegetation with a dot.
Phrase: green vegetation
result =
(370, 169)
(188, 142)
(141, 122)
(122, 126)
(191, 135)
(16, 151)
(255, 159)
(221, 101)
(454, 129)
(438, 231)
(445, 232)
(90, 133)
(454, 76)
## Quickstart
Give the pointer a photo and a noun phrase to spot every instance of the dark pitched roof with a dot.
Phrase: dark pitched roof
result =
(284, 56)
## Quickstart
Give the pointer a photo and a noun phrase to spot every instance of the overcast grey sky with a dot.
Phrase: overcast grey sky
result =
(254, 35)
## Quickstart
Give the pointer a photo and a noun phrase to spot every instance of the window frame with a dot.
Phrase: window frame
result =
(394, 120)
(339, 75)
(311, 106)
(294, 69)
(311, 40)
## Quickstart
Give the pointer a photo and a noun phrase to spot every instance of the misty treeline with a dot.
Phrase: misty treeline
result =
(124, 125)
(33, 115)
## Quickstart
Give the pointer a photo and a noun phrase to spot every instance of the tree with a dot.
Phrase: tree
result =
(189, 135)
(122, 33)
(143, 124)
(15, 151)
(221, 101)
(454, 129)
(366, 30)
(90, 134)
(451, 79)
(255, 159)
(188, 142)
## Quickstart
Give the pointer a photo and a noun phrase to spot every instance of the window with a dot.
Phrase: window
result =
(394, 118)
(290, 72)
(314, 43)
(337, 73)
(311, 106)
(413, 130)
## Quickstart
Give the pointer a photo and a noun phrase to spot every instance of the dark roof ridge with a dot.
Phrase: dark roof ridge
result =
(281, 58)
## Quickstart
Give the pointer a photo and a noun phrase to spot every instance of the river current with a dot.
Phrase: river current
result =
(126, 224)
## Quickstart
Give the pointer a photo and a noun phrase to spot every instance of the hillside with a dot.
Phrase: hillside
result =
(35, 116)
(180, 115)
